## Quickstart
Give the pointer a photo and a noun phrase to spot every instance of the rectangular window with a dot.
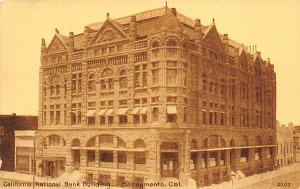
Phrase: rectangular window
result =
(91, 120)
(171, 76)
(155, 77)
(204, 117)
(51, 117)
(106, 156)
(102, 120)
(123, 119)
(155, 114)
(110, 120)
(57, 121)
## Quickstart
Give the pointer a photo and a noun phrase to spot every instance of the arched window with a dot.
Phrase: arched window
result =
(232, 142)
(171, 43)
(56, 140)
(155, 44)
(91, 82)
(123, 79)
(244, 141)
(91, 142)
(107, 80)
(75, 142)
(193, 145)
(258, 140)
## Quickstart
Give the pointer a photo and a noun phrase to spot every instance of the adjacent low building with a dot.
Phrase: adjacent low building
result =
(284, 139)
(24, 151)
(8, 125)
(296, 145)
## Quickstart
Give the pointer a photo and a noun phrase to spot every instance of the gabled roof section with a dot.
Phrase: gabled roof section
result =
(211, 36)
(168, 22)
(57, 44)
(110, 30)
(242, 55)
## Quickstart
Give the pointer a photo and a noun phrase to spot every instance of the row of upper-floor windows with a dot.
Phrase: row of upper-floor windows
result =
(286, 147)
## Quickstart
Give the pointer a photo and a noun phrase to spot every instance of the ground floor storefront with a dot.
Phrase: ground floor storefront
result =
(122, 158)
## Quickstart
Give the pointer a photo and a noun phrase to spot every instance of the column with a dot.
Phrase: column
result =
(83, 158)
(209, 176)
(97, 158)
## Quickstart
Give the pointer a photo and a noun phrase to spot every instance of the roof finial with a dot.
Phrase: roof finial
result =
(166, 5)
(213, 20)
(107, 15)
(56, 31)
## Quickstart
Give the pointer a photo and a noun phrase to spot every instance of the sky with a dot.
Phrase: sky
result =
(272, 25)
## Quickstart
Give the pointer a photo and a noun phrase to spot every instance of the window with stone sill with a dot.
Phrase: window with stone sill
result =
(91, 157)
(136, 119)
(122, 119)
(123, 82)
(122, 157)
(155, 114)
(91, 82)
(106, 156)
(139, 158)
(171, 118)
(91, 120)
(110, 120)
(155, 77)
(102, 120)
(144, 118)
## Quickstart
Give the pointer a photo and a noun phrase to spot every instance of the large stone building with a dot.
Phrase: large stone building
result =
(154, 95)
(8, 125)
(284, 140)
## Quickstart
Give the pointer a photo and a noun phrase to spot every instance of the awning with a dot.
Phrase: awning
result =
(144, 110)
(135, 110)
(90, 113)
(109, 112)
(171, 110)
(101, 112)
(122, 111)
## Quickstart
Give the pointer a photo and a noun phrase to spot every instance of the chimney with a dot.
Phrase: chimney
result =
(132, 28)
(225, 36)
(197, 31)
(43, 47)
(71, 41)
(258, 54)
(174, 12)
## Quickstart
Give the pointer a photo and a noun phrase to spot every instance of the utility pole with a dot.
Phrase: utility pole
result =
(34, 162)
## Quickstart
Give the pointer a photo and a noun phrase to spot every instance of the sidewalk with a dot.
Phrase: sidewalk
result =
(249, 182)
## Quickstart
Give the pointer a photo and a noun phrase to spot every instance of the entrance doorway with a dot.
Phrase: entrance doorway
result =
(48, 168)
(169, 164)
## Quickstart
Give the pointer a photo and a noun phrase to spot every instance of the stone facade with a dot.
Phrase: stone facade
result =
(9, 124)
(154, 95)
(284, 140)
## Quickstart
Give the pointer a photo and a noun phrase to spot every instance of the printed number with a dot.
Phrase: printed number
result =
(285, 184)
